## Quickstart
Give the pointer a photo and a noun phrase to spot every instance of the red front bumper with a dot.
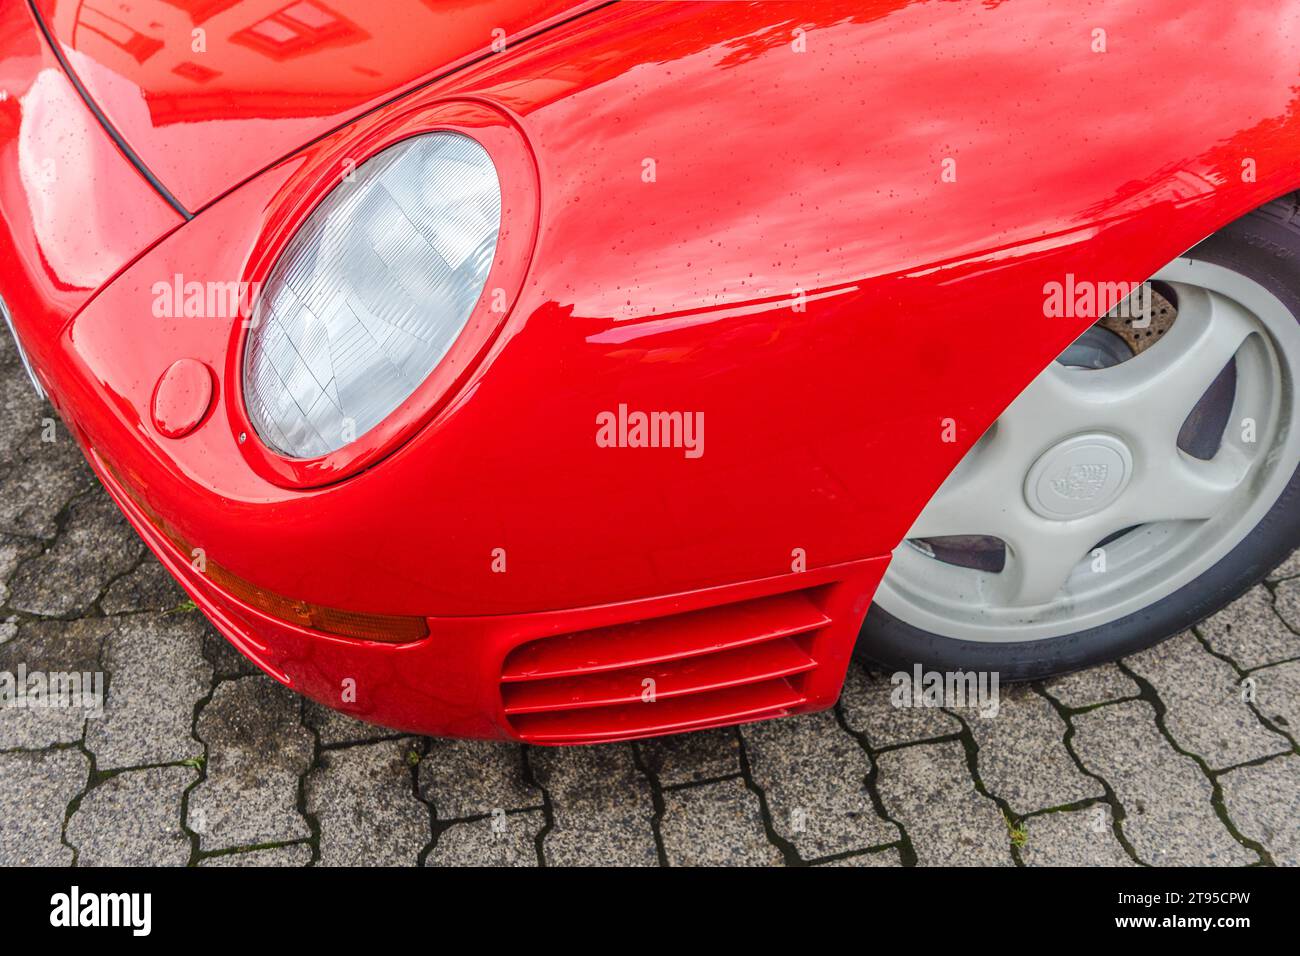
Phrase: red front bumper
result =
(723, 655)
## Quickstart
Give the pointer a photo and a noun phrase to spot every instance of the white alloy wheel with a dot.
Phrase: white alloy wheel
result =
(1112, 482)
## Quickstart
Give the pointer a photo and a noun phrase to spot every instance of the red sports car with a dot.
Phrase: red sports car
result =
(579, 371)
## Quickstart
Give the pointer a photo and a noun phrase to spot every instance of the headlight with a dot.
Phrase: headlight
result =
(371, 293)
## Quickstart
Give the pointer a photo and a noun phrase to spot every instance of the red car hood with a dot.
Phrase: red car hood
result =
(207, 93)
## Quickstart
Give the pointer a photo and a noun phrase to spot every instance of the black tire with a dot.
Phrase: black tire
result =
(1264, 246)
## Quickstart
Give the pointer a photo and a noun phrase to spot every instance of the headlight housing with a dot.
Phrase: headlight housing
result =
(371, 293)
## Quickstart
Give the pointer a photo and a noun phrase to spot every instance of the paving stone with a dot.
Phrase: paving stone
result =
(295, 854)
(227, 663)
(601, 806)
(509, 839)
(1277, 696)
(21, 410)
(1249, 632)
(51, 647)
(691, 758)
(928, 789)
(888, 857)
(43, 479)
(868, 709)
(1096, 685)
(38, 786)
(157, 674)
(1073, 838)
(813, 775)
(471, 778)
(133, 819)
(1289, 568)
(13, 551)
(257, 751)
(1022, 757)
(1169, 818)
(1286, 598)
(1204, 709)
(148, 588)
(715, 824)
(1263, 802)
(95, 546)
(364, 798)
(333, 727)
(32, 728)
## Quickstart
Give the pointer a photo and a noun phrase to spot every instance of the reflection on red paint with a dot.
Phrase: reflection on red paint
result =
(298, 29)
(261, 78)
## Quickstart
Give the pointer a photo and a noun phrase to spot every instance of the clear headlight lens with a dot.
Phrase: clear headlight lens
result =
(371, 293)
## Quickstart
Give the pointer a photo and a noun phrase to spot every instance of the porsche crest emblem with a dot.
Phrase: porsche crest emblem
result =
(1081, 482)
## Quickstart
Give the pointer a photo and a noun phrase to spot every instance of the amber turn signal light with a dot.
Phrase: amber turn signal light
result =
(389, 628)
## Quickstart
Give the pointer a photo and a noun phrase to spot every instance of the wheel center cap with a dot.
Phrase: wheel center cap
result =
(1079, 476)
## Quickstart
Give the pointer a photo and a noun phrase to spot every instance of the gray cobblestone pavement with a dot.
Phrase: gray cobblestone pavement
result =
(1186, 753)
